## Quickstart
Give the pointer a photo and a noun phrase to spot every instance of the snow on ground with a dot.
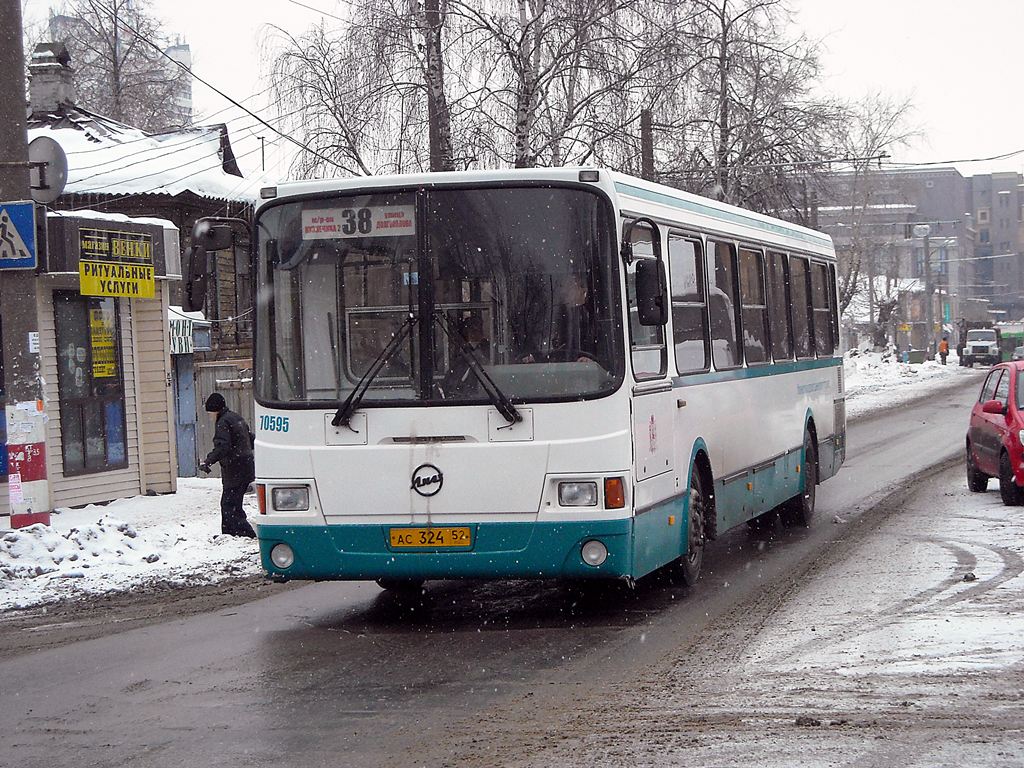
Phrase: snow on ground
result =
(875, 380)
(123, 545)
(901, 646)
(176, 538)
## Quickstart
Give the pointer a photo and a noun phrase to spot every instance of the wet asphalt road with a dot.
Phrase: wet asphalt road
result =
(340, 674)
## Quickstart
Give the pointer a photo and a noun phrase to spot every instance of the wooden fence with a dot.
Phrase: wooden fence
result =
(232, 381)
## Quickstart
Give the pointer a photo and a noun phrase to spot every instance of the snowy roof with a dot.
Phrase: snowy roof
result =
(106, 157)
(173, 310)
(877, 207)
(118, 217)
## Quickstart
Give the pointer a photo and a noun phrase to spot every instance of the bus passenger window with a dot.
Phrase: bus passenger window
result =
(647, 342)
(778, 307)
(725, 348)
(833, 304)
(689, 304)
(823, 341)
(755, 307)
(799, 295)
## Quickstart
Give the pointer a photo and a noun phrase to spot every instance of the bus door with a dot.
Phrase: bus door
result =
(652, 402)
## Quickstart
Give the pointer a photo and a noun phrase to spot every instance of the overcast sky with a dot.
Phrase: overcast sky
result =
(959, 63)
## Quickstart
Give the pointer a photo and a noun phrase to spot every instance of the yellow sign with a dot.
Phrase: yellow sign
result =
(101, 338)
(115, 263)
(100, 278)
(905, 327)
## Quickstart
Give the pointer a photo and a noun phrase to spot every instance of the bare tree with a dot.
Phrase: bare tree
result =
(570, 74)
(748, 125)
(118, 71)
(362, 92)
(874, 126)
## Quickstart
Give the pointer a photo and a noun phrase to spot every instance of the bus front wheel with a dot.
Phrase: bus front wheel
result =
(401, 586)
(799, 510)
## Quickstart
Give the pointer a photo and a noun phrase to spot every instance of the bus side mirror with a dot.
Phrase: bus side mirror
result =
(651, 298)
(196, 275)
(210, 233)
(212, 237)
(626, 248)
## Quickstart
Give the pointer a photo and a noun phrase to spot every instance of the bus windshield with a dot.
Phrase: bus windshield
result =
(519, 283)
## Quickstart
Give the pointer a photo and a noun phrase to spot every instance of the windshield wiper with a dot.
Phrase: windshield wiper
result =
(498, 398)
(344, 414)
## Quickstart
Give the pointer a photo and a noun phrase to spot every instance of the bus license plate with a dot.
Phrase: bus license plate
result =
(432, 538)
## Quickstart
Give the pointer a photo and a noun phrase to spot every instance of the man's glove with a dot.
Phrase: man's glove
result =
(205, 468)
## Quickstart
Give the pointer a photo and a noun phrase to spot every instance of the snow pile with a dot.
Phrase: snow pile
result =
(126, 544)
(876, 380)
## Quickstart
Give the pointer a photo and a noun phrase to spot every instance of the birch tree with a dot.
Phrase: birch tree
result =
(874, 126)
(118, 73)
(570, 73)
(750, 118)
(364, 92)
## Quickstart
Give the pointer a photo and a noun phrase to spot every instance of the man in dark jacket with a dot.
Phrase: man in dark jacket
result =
(232, 447)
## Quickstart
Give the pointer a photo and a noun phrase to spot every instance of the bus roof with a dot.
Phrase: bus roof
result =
(632, 194)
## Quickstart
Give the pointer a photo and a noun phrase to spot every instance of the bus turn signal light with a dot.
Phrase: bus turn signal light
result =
(261, 497)
(614, 493)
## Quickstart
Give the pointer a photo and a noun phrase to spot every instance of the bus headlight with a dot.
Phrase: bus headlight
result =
(577, 494)
(594, 553)
(295, 499)
(282, 556)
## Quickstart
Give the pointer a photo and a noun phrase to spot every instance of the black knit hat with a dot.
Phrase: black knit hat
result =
(215, 403)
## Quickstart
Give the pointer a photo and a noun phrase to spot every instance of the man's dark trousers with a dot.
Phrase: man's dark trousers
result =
(232, 517)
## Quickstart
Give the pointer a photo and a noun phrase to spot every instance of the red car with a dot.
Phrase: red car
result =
(995, 438)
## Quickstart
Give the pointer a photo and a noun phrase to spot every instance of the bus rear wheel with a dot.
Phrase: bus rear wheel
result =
(691, 562)
(799, 510)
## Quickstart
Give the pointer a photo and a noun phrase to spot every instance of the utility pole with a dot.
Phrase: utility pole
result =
(646, 145)
(28, 488)
(923, 231)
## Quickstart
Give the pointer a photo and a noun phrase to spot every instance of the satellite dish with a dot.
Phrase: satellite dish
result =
(47, 181)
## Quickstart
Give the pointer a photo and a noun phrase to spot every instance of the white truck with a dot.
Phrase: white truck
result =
(981, 346)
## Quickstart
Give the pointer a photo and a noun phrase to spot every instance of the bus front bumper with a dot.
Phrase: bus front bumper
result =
(498, 550)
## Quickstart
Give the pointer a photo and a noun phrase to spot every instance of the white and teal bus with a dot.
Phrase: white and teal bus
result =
(557, 373)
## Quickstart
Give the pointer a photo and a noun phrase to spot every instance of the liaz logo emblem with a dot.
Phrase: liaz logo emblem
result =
(427, 480)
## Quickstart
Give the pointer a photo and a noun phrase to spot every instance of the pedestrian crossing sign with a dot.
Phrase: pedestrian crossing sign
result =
(18, 235)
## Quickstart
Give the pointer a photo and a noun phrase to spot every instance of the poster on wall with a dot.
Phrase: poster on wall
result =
(101, 339)
(116, 263)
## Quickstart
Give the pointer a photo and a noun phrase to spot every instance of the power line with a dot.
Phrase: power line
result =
(228, 319)
(191, 140)
(317, 10)
(195, 121)
(1003, 156)
(191, 143)
(212, 87)
(152, 190)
